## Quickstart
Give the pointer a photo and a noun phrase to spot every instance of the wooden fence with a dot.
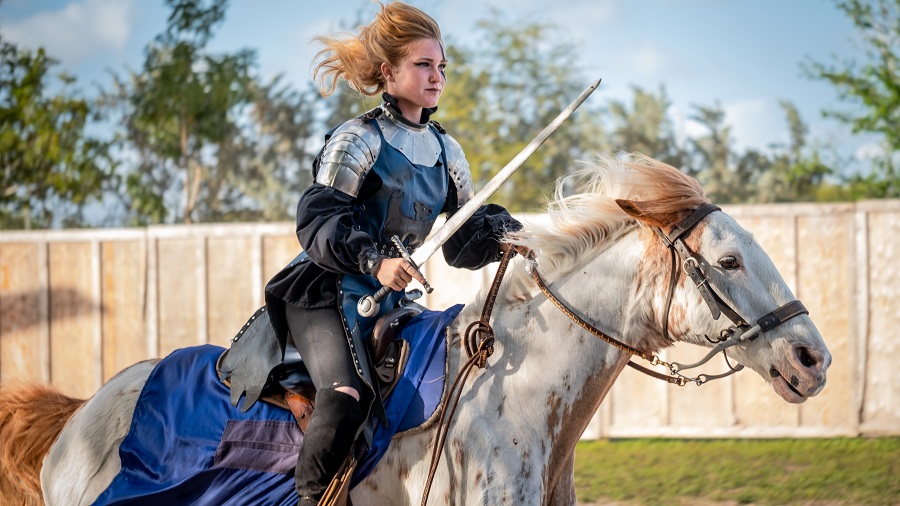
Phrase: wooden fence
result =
(77, 306)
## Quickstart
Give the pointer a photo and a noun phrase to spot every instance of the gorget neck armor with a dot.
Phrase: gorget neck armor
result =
(416, 141)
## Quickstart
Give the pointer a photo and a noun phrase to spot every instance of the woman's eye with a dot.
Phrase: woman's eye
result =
(729, 263)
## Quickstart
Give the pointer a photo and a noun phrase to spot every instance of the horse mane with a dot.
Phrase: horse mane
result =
(583, 213)
(31, 418)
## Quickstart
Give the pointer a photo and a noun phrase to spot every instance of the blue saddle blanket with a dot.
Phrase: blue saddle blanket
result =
(188, 445)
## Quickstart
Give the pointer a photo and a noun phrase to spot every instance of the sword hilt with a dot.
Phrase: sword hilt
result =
(406, 256)
(367, 306)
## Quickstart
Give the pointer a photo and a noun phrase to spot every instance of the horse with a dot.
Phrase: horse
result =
(630, 262)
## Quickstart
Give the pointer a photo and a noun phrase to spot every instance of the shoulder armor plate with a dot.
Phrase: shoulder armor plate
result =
(458, 167)
(348, 156)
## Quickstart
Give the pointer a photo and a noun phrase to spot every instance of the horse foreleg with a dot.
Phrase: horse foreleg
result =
(84, 459)
(563, 492)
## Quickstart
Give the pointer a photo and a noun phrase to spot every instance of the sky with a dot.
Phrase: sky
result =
(743, 54)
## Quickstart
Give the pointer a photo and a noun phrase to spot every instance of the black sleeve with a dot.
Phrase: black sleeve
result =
(326, 232)
(477, 242)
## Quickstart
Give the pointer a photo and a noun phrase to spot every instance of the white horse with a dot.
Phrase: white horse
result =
(513, 436)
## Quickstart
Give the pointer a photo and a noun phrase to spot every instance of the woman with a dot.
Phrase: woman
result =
(388, 172)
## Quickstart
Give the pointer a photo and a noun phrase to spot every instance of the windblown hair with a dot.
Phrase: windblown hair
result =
(358, 58)
(587, 217)
(31, 418)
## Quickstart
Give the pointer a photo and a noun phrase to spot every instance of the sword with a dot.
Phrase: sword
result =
(368, 305)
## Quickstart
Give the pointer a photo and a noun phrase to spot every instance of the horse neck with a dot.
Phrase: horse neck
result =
(546, 371)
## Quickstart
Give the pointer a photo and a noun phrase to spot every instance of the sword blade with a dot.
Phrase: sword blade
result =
(442, 235)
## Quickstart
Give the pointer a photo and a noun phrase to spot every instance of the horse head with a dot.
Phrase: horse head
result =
(691, 272)
(732, 293)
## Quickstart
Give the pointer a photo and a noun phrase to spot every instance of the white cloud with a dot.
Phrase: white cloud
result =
(756, 123)
(77, 31)
(583, 17)
(647, 59)
(869, 151)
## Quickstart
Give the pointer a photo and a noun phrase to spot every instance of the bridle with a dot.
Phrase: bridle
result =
(739, 332)
(479, 336)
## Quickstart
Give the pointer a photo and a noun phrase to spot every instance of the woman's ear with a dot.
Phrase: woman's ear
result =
(387, 72)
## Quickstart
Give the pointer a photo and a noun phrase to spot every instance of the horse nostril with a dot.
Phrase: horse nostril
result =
(805, 356)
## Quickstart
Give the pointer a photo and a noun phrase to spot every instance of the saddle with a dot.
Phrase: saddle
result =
(289, 385)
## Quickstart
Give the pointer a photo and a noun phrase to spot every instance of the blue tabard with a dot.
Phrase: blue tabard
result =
(407, 205)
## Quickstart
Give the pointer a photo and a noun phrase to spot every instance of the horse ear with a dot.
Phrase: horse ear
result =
(641, 212)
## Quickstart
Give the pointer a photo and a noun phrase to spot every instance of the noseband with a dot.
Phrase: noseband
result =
(740, 332)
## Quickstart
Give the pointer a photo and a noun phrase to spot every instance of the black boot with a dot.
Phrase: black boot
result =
(327, 442)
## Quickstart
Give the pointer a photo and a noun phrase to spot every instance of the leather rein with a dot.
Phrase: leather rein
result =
(479, 335)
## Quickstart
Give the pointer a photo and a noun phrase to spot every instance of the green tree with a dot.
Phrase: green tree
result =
(646, 127)
(711, 156)
(872, 88)
(503, 92)
(50, 168)
(261, 169)
(178, 110)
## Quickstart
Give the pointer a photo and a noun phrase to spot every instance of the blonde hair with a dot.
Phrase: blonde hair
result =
(358, 58)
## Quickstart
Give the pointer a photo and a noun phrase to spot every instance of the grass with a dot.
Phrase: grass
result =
(841, 471)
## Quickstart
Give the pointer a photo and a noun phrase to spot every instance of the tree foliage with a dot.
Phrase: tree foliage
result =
(872, 88)
(199, 137)
(503, 91)
(179, 107)
(50, 168)
(209, 141)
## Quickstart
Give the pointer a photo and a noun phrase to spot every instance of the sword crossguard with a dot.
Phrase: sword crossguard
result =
(405, 254)
(367, 306)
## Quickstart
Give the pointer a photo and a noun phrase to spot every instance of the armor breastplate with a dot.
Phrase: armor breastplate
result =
(409, 200)
(407, 205)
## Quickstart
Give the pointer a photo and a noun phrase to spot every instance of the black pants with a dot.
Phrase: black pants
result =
(319, 336)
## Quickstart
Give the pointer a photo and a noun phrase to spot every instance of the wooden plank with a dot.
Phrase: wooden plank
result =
(24, 313)
(452, 286)
(637, 402)
(709, 406)
(278, 251)
(881, 409)
(124, 274)
(229, 291)
(179, 288)
(74, 309)
(756, 404)
(825, 245)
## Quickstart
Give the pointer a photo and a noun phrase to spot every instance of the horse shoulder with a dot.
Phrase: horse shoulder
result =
(84, 459)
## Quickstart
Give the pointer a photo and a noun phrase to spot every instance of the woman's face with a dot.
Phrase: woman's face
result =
(418, 81)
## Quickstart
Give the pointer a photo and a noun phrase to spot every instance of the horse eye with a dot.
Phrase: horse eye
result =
(729, 263)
